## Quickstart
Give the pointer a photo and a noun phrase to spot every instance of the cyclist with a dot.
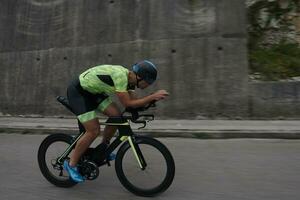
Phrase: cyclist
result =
(90, 93)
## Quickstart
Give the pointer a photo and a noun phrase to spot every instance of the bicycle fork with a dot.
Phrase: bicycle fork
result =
(136, 151)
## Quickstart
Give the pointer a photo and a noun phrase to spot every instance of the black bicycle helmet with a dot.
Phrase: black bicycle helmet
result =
(146, 70)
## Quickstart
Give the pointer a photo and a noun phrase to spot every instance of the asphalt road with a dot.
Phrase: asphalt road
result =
(256, 169)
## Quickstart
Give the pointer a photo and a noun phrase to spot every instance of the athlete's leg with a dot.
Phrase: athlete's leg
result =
(111, 111)
(92, 128)
(83, 104)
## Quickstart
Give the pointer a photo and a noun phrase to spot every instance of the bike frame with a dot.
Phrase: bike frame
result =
(125, 134)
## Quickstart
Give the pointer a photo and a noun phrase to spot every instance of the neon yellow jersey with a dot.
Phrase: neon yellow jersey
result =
(105, 78)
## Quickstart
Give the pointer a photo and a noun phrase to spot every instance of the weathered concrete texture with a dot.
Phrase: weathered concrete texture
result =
(195, 90)
(43, 24)
(199, 47)
(275, 99)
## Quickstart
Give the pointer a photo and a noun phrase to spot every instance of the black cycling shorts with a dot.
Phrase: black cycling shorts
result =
(85, 104)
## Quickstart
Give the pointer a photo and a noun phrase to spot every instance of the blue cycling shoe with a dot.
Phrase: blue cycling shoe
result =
(111, 157)
(73, 172)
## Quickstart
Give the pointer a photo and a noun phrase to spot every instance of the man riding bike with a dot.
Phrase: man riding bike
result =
(90, 93)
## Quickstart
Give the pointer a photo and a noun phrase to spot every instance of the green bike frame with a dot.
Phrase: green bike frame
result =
(125, 134)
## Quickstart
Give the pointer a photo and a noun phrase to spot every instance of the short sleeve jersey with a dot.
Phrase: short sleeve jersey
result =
(105, 78)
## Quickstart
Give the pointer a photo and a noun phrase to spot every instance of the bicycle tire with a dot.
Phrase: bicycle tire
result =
(167, 181)
(42, 159)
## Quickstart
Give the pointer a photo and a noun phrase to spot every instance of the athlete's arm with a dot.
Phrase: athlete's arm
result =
(126, 100)
(132, 94)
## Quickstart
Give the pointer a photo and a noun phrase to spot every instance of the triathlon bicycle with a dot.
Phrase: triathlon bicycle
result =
(143, 164)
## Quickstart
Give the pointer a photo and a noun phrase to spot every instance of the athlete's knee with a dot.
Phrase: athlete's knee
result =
(93, 133)
(92, 128)
(90, 136)
(112, 111)
(115, 114)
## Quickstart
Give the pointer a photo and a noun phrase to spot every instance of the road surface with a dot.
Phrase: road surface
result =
(241, 169)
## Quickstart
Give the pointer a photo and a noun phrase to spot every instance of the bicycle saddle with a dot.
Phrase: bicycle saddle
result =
(64, 101)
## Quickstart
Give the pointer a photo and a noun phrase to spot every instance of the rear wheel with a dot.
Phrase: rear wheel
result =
(49, 151)
(158, 173)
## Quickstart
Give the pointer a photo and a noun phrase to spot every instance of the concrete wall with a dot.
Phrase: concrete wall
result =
(198, 45)
(274, 99)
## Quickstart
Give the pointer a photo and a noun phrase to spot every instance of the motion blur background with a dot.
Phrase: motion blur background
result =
(232, 59)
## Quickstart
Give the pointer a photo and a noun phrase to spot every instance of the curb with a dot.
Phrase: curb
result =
(182, 133)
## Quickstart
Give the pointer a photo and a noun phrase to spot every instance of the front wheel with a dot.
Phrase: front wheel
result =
(158, 173)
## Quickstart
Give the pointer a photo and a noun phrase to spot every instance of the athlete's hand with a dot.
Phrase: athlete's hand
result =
(160, 94)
